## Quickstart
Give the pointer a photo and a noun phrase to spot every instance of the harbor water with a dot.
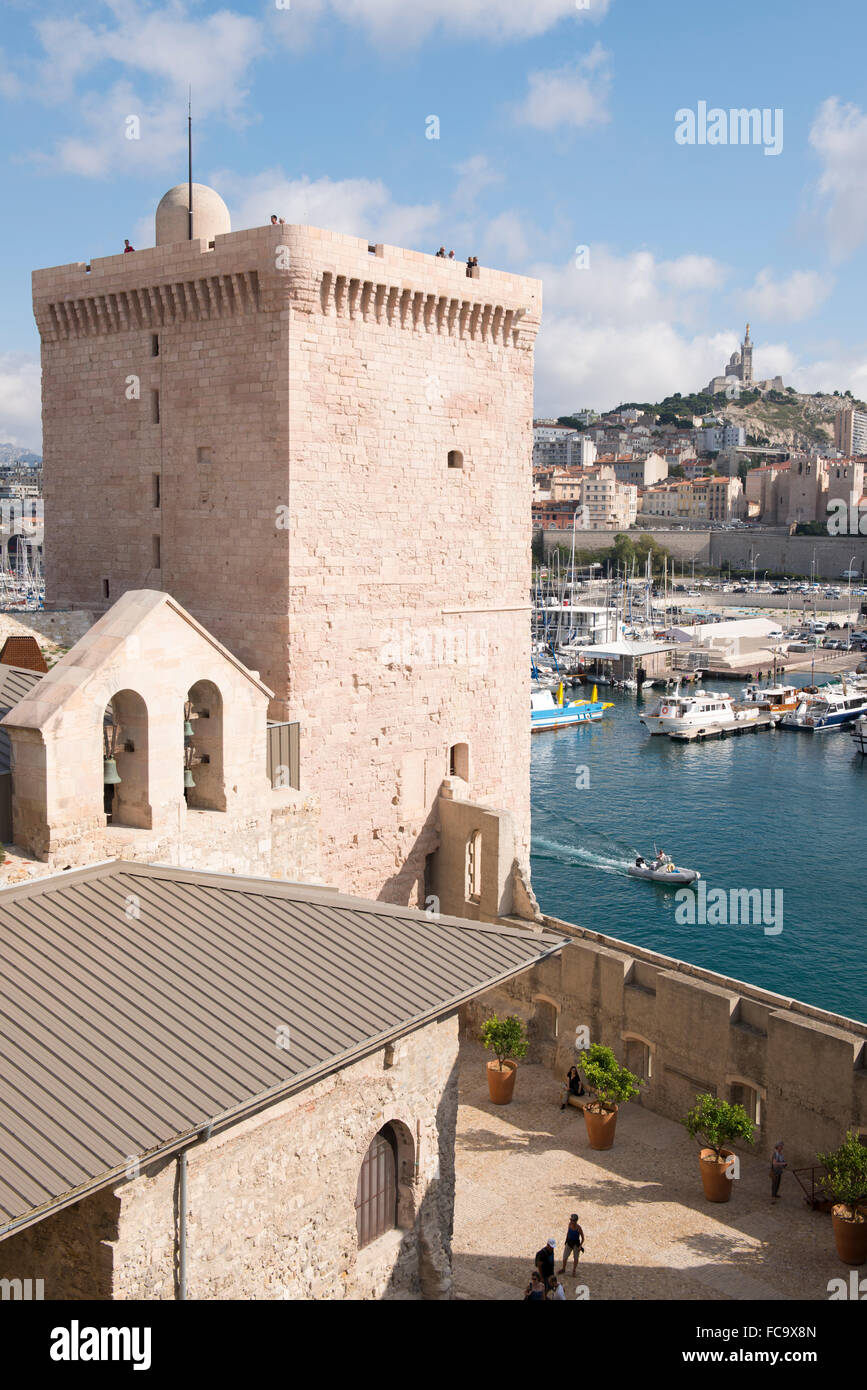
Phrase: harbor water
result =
(777, 810)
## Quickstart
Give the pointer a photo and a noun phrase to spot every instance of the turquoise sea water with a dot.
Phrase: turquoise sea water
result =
(771, 810)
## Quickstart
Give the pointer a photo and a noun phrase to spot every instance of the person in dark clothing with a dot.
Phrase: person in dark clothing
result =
(535, 1289)
(573, 1086)
(574, 1244)
(545, 1259)
(778, 1163)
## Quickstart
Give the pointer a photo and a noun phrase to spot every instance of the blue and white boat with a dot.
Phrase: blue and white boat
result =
(829, 708)
(548, 713)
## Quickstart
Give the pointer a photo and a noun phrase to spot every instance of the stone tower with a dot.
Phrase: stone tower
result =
(747, 359)
(321, 449)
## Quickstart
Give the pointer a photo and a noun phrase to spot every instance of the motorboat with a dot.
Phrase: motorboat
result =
(548, 713)
(775, 700)
(709, 712)
(829, 708)
(667, 872)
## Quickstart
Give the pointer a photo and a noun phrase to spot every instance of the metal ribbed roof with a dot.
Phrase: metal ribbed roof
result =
(141, 1003)
(15, 683)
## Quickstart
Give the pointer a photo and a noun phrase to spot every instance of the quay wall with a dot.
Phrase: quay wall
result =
(776, 550)
(689, 1031)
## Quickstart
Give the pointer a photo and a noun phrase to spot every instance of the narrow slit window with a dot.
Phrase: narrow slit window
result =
(156, 558)
(155, 407)
(106, 588)
(156, 489)
(155, 345)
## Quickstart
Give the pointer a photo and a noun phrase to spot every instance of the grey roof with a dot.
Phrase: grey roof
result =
(141, 1003)
(15, 683)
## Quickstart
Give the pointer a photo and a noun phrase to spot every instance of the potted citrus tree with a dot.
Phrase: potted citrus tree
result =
(716, 1123)
(846, 1180)
(507, 1039)
(611, 1085)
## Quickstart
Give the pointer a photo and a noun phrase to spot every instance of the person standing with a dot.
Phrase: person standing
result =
(127, 247)
(535, 1290)
(574, 1244)
(545, 1259)
(556, 1292)
(778, 1163)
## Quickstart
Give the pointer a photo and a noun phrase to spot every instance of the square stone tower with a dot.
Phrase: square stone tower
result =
(322, 449)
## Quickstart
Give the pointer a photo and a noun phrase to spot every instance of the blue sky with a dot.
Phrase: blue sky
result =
(556, 130)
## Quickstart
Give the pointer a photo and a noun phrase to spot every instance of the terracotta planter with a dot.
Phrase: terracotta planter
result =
(717, 1186)
(600, 1127)
(501, 1084)
(850, 1237)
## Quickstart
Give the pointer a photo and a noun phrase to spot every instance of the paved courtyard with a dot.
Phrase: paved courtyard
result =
(524, 1167)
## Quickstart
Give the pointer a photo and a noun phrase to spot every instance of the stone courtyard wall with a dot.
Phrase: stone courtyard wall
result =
(704, 1032)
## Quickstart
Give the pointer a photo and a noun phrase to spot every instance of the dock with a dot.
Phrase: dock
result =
(764, 721)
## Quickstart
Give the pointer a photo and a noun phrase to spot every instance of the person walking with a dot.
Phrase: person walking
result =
(545, 1259)
(535, 1290)
(778, 1163)
(574, 1244)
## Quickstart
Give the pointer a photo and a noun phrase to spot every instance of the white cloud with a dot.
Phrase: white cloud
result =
(574, 95)
(10, 83)
(20, 400)
(159, 52)
(476, 174)
(358, 207)
(786, 301)
(839, 137)
(395, 23)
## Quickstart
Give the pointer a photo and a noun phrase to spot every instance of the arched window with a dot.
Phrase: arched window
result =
(125, 761)
(474, 867)
(376, 1193)
(203, 748)
(638, 1058)
(459, 761)
(456, 458)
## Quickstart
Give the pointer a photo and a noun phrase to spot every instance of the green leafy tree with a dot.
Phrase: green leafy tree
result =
(505, 1037)
(846, 1178)
(610, 1083)
(717, 1123)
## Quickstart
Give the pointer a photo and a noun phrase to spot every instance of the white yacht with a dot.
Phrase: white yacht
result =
(708, 712)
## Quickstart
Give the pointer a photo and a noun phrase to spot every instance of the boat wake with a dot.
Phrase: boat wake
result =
(607, 861)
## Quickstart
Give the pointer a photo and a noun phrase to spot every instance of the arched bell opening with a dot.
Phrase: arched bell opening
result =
(125, 761)
(204, 787)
